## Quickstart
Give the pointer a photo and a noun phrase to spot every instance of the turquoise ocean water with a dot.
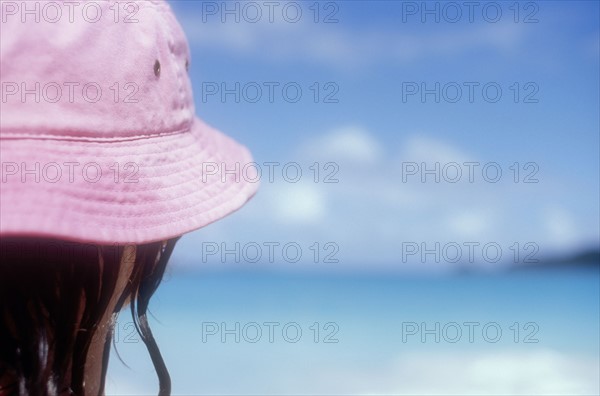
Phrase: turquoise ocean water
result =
(259, 332)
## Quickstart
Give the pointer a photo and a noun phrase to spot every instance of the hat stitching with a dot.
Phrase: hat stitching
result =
(47, 136)
(153, 201)
(162, 211)
(149, 177)
(134, 143)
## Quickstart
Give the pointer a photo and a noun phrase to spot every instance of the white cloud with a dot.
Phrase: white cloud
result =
(371, 211)
(470, 223)
(346, 47)
(561, 229)
(430, 150)
(297, 204)
(350, 144)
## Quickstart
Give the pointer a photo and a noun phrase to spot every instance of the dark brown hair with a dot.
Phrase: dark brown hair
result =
(53, 296)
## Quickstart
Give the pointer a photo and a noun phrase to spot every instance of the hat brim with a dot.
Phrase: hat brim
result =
(148, 188)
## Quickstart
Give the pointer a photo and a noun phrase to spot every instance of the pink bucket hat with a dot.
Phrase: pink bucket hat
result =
(98, 136)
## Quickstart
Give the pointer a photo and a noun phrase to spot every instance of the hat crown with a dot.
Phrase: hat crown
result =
(93, 70)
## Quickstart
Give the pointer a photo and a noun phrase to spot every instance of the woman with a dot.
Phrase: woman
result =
(104, 166)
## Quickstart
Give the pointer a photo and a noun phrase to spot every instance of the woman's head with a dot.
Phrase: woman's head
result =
(58, 304)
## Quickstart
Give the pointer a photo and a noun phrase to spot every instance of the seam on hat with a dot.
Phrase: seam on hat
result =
(179, 71)
(233, 196)
(189, 171)
(168, 137)
(47, 136)
(228, 191)
(149, 178)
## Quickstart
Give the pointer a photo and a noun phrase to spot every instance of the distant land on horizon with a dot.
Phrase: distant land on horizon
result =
(587, 258)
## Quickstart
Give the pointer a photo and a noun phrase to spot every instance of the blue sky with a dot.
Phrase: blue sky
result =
(367, 56)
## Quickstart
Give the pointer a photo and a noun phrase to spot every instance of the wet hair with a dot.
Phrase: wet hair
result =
(53, 298)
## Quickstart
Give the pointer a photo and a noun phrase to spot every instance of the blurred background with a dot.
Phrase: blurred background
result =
(428, 215)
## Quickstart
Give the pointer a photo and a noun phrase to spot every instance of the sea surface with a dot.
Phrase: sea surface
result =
(247, 332)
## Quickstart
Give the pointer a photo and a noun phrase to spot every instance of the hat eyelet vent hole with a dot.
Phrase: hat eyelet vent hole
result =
(157, 68)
